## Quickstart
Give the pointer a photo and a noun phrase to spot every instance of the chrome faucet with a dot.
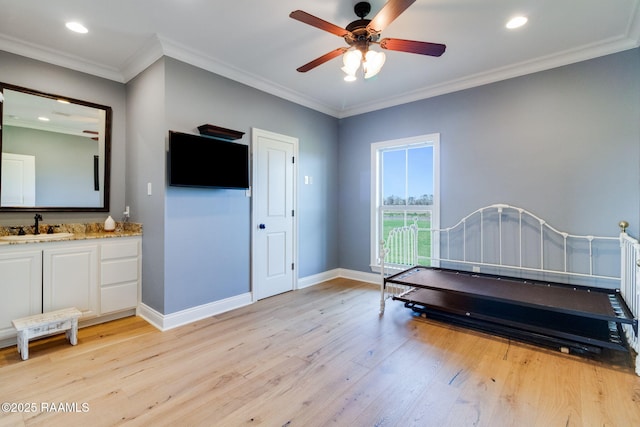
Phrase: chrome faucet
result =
(36, 227)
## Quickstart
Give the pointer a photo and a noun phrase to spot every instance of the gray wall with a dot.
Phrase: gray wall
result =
(145, 164)
(563, 143)
(204, 254)
(21, 71)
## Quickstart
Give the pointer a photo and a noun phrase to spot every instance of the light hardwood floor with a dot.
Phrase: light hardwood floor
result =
(315, 357)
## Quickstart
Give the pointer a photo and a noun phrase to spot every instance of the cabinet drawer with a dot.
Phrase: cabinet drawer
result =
(125, 270)
(118, 297)
(119, 250)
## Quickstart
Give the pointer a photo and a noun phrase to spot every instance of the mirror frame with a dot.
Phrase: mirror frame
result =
(107, 152)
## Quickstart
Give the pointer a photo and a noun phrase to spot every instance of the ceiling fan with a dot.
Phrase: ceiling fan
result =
(361, 34)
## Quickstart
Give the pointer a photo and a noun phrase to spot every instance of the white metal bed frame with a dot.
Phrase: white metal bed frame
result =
(400, 251)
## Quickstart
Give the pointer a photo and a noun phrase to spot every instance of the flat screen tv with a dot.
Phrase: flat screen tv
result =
(200, 161)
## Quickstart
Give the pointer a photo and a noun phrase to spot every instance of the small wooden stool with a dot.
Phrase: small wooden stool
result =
(38, 325)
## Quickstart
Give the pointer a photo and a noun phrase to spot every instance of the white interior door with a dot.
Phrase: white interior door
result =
(18, 180)
(273, 213)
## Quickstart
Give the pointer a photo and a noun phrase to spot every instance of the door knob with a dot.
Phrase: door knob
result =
(262, 227)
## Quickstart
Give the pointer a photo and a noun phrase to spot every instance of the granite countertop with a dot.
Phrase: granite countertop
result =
(80, 232)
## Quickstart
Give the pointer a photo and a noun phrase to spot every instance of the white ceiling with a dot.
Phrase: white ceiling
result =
(256, 43)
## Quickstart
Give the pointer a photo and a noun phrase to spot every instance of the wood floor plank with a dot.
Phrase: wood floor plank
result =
(313, 357)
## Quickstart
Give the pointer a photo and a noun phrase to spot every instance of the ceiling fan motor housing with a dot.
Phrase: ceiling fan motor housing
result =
(359, 35)
(362, 9)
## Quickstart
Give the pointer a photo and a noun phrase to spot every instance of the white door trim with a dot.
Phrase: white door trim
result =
(255, 136)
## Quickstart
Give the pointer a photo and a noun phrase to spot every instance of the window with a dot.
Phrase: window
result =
(404, 191)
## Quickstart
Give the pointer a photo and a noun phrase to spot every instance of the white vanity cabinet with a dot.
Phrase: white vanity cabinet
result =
(70, 277)
(20, 286)
(99, 276)
(120, 269)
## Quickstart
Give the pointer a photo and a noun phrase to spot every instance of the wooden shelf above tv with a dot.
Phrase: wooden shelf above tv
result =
(218, 132)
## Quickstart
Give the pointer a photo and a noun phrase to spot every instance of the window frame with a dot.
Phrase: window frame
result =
(377, 148)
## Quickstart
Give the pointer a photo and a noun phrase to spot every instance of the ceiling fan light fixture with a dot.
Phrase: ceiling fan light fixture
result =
(373, 63)
(351, 59)
(350, 75)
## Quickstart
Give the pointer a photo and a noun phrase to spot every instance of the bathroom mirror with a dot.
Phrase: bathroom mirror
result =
(55, 152)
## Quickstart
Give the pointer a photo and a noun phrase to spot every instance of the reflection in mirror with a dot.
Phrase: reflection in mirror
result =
(55, 152)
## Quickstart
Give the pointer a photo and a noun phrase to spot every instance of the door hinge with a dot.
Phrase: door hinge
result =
(293, 212)
(292, 266)
(293, 160)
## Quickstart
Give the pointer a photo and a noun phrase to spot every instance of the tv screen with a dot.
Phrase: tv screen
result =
(199, 161)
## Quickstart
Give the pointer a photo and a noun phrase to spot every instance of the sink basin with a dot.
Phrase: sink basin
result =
(36, 237)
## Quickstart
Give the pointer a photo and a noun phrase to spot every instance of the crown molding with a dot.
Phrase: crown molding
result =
(197, 59)
(55, 57)
(497, 74)
(142, 59)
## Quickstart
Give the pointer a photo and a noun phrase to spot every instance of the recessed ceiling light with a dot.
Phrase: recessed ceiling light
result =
(517, 22)
(77, 27)
(43, 119)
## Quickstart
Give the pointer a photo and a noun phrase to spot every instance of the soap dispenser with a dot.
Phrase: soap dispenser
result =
(109, 224)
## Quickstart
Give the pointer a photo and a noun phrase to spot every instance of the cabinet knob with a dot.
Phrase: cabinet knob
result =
(262, 226)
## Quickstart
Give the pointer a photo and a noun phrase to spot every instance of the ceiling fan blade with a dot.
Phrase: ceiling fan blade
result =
(314, 21)
(321, 60)
(411, 46)
(389, 12)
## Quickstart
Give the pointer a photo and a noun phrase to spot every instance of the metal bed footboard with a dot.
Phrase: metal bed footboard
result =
(629, 289)
(398, 252)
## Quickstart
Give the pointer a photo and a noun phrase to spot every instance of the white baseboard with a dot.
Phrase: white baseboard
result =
(360, 276)
(315, 279)
(164, 322)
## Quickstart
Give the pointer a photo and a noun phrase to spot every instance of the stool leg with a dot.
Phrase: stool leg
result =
(74, 332)
(23, 343)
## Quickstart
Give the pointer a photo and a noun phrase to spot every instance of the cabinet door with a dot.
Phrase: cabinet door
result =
(70, 279)
(20, 288)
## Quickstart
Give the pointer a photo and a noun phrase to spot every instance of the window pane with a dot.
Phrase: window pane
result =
(397, 219)
(391, 220)
(420, 176)
(406, 193)
(393, 177)
(423, 220)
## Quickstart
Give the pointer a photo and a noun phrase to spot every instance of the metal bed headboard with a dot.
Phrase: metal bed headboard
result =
(557, 251)
(501, 236)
